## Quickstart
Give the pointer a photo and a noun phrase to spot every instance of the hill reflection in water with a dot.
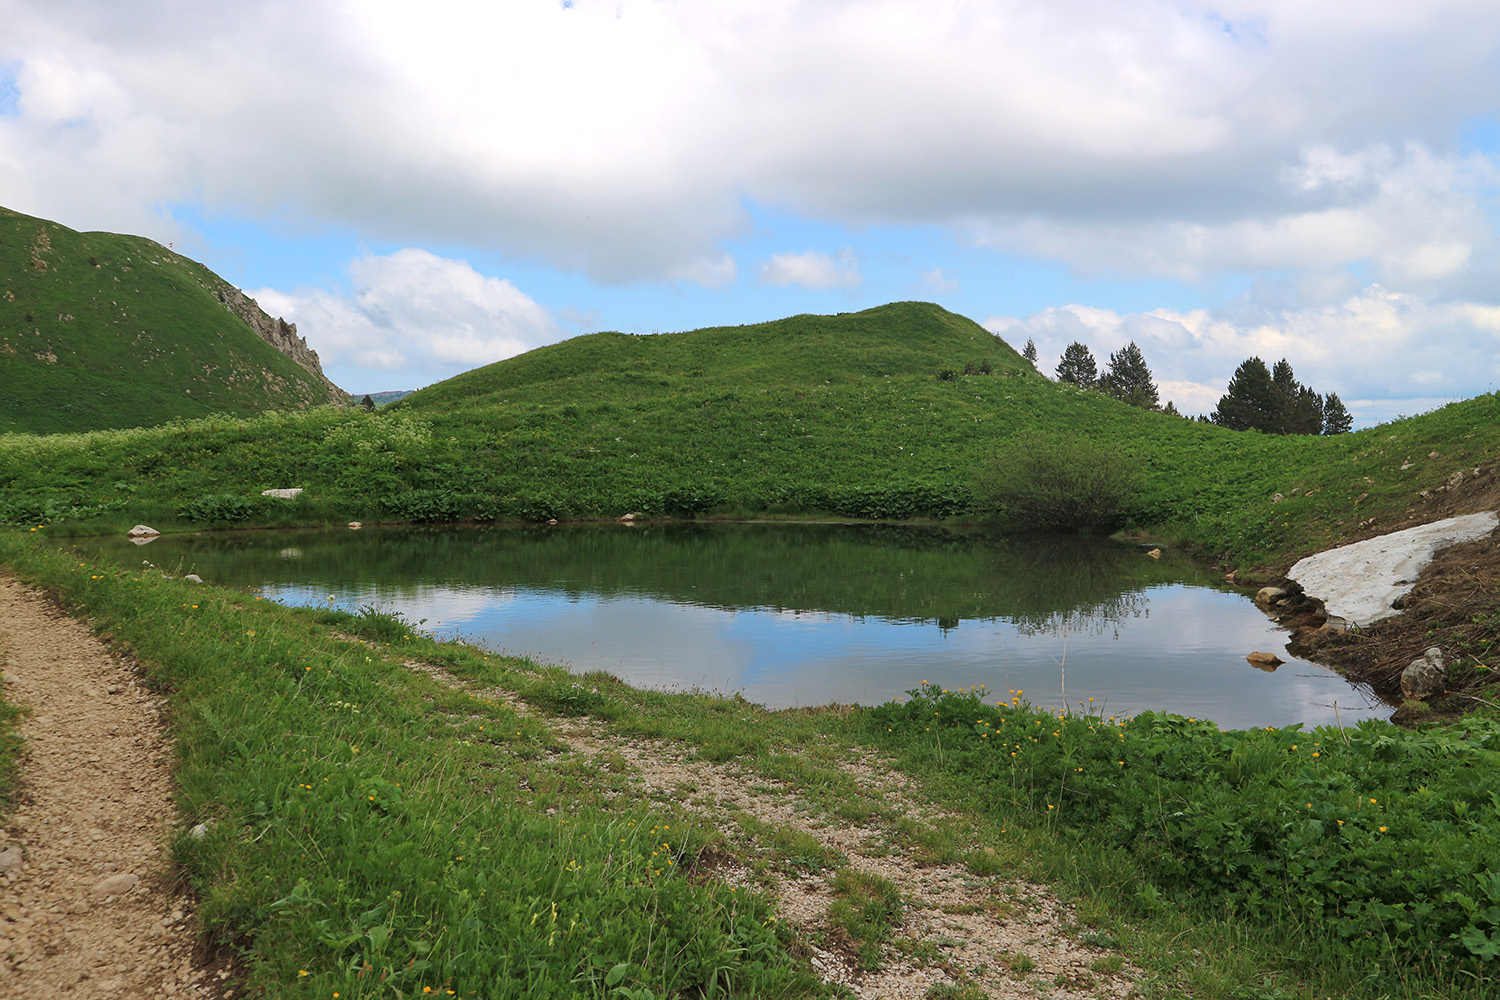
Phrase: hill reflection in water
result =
(807, 614)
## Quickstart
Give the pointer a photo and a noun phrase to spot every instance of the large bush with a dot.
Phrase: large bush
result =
(1050, 482)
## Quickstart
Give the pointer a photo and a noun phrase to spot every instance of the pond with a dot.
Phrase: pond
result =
(805, 614)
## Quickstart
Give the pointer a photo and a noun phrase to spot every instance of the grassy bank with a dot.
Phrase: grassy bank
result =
(848, 416)
(372, 830)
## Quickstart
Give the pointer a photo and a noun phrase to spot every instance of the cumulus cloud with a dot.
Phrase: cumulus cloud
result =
(1362, 347)
(812, 269)
(413, 312)
(625, 137)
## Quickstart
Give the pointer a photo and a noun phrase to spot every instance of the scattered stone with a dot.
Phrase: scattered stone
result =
(115, 885)
(142, 531)
(1264, 661)
(10, 860)
(201, 830)
(355, 525)
(1425, 676)
(193, 578)
(1267, 596)
(1154, 553)
(287, 494)
(1277, 498)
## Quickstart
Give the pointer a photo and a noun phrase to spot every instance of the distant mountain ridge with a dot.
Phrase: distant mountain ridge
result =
(100, 330)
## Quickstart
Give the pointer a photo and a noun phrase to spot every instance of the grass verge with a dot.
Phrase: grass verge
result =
(375, 831)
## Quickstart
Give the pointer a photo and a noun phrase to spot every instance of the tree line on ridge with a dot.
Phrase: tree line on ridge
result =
(1261, 398)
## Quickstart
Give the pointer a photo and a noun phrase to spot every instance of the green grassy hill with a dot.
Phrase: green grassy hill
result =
(845, 415)
(901, 339)
(99, 330)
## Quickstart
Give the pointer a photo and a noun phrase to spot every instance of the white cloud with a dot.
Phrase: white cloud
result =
(425, 316)
(938, 280)
(811, 269)
(1362, 347)
(624, 137)
(709, 272)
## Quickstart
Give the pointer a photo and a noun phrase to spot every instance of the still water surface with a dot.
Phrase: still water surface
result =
(807, 614)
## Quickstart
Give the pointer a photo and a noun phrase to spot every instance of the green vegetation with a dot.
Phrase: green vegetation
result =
(840, 415)
(1128, 379)
(908, 571)
(99, 330)
(1050, 482)
(388, 833)
(433, 830)
(437, 846)
(1373, 847)
(10, 752)
(1273, 401)
(866, 908)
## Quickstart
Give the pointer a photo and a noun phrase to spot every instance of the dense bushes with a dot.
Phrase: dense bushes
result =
(1052, 482)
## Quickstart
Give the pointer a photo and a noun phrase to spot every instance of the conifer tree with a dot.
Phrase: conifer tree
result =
(1336, 419)
(1078, 366)
(1307, 412)
(1030, 352)
(1250, 401)
(1128, 379)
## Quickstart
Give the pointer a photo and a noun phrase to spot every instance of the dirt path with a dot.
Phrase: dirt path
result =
(87, 908)
(997, 936)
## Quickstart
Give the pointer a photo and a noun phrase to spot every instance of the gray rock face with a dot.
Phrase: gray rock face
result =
(286, 494)
(1425, 676)
(281, 335)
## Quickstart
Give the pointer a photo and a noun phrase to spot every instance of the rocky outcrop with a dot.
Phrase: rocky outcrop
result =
(281, 335)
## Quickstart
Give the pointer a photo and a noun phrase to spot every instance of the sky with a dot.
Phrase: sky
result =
(427, 188)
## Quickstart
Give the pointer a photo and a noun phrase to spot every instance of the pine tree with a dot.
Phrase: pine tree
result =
(1128, 379)
(1336, 419)
(1307, 412)
(1250, 401)
(1171, 409)
(1030, 352)
(1078, 366)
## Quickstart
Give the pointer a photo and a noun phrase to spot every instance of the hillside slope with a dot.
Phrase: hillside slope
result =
(99, 330)
(900, 339)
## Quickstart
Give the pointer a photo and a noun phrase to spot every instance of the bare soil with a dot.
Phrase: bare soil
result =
(89, 905)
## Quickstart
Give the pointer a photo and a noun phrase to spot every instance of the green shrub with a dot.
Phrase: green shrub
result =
(1052, 482)
(221, 508)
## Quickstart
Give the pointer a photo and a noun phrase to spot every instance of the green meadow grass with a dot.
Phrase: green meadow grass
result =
(99, 330)
(728, 423)
(373, 831)
(426, 825)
